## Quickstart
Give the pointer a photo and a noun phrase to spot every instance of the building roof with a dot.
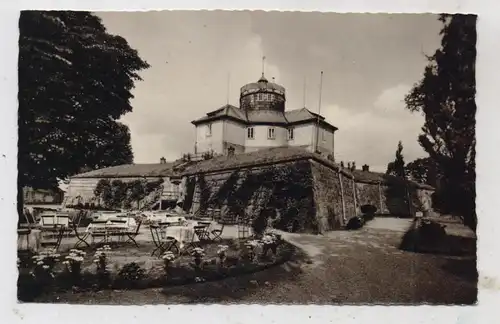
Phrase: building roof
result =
(225, 112)
(131, 170)
(264, 156)
(302, 114)
(379, 177)
(221, 163)
(290, 117)
(262, 84)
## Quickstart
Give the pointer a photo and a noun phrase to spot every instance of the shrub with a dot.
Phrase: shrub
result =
(431, 231)
(424, 236)
(355, 223)
(44, 264)
(368, 212)
(130, 275)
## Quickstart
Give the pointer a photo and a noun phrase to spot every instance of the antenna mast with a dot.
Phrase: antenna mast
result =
(263, 62)
(319, 110)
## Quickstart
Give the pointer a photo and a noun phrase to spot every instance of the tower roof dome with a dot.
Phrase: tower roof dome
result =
(262, 85)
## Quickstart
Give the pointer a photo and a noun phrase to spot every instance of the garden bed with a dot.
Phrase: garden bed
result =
(93, 270)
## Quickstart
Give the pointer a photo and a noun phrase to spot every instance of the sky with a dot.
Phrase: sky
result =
(369, 61)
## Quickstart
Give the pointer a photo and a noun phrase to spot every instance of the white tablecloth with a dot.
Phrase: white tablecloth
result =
(129, 225)
(164, 217)
(184, 234)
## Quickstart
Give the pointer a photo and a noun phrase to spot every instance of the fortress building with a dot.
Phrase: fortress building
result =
(266, 157)
(261, 122)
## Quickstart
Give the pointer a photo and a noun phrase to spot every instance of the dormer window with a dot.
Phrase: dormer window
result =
(209, 130)
(250, 133)
(271, 133)
(290, 134)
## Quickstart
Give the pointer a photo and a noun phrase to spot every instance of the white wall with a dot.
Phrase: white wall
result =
(326, 140)
(234, 133)
(260, 139)
(205, 143)
(303, 136)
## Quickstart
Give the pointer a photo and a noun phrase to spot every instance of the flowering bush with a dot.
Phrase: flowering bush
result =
(250, 247)
(221, 253)
(167, 257)
(198, 254)
(131, 274)
(73, 260)
(270, 242)
(73, 263)
(44, 264)
(101, 261)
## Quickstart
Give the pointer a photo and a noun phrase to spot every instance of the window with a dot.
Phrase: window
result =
(290, 134)
(250, 132)
(270, 133)
(323, 135)
(209, 130)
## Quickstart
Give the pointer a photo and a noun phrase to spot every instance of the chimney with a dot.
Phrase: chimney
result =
(163, 161)
(366, 168)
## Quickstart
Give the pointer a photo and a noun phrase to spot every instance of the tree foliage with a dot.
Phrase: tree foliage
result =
(118, 194)
(398, 191)
(397, 167)
(423, 170)
(75, 82)
(446, 97)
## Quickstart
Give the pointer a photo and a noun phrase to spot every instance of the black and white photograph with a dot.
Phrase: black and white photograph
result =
(246, 157)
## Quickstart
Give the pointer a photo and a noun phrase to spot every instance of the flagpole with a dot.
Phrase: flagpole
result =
(319, 111)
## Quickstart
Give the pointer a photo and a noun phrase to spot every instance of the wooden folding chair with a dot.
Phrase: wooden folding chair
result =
(162, 242)
(202, 232)
(217, 232)
(75, 224)
(133, 234)
(53, 225)
(191, 244)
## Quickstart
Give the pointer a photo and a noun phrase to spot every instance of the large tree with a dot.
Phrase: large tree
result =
(446, 97)
(75, 82)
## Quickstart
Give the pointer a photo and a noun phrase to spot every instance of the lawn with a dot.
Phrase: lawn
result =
(356, 267)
